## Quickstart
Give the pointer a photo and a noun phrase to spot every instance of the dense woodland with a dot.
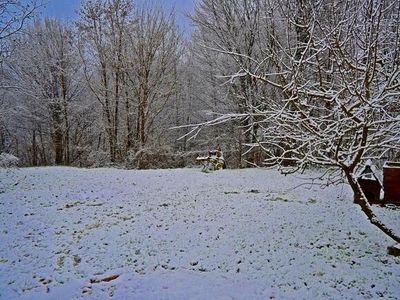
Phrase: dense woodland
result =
(293, 83)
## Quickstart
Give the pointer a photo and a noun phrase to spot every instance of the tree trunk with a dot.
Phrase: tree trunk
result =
(107, 112)
(66, 117)
(116, 112)
(361, 200)
(58, 135)
(34, 149)
(129, 129)
(142, 118)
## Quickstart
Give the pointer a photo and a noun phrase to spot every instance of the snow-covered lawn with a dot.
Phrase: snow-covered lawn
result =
(71, 233)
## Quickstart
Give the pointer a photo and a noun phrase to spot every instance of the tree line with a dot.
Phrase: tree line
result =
(94, 91)
(301, 82)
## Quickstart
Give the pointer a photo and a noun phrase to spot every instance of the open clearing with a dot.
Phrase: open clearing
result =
(70, 233)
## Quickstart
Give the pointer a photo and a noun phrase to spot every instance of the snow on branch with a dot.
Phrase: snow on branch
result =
(196, 128)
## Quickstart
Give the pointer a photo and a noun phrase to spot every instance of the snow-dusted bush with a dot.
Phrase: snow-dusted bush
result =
(148, 159)
(159, 158)
(96, 159)
(8, 160)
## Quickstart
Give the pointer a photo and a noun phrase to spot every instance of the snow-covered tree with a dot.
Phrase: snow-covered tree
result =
(102, 25)
(130, 55)
(152, 62)
(230, 27)
(334, 70)
(13, 16)
(42, 79)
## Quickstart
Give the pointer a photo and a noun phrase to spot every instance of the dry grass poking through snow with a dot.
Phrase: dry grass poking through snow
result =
(182, 234)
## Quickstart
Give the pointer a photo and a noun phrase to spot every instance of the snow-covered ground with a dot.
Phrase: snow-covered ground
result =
(71, 233)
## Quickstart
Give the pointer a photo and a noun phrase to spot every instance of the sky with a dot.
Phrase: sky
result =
(65, 9)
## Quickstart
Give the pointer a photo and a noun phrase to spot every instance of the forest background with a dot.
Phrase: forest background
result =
(293, 83)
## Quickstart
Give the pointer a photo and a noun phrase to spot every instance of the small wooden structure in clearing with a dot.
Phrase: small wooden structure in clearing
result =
(391, 182)
(213, 161)
(370, 183)
(394, 250)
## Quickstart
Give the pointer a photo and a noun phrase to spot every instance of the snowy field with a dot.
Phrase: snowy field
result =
(71, 233)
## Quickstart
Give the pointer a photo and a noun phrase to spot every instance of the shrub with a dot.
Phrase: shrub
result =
(8, 161)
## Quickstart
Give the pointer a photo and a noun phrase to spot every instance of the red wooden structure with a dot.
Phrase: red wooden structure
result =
(391, 182)
(370, 184)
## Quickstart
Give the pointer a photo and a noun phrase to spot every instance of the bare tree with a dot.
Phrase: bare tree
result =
(233, 27)
(155, 49)
(13, 16)
(335, 75)
(42, 76)
(102, 26)
(130, 56)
